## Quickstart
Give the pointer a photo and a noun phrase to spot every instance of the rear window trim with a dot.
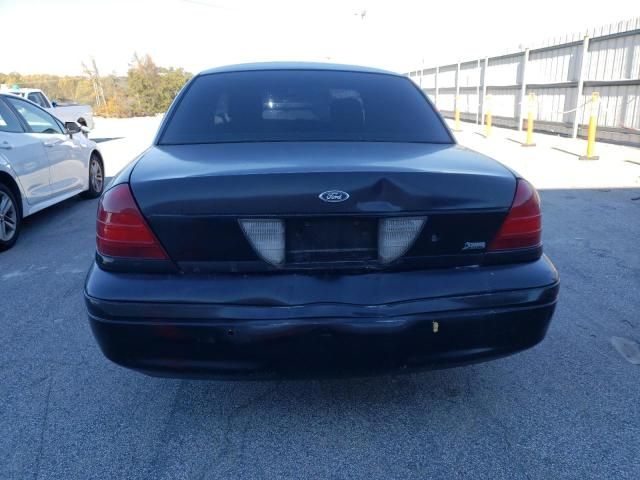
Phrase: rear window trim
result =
(158, 141)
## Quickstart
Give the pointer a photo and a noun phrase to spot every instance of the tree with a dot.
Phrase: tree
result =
(172, 81)
(153, 88)
(146, 90)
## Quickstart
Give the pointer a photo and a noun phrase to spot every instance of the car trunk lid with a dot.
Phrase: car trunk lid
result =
(194, 196)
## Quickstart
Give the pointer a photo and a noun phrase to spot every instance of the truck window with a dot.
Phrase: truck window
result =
(39, 99)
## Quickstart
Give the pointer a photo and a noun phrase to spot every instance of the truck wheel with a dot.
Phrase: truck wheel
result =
(96, 177)
(10, 218)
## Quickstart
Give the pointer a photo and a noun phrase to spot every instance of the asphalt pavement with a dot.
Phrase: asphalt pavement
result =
(568, 408)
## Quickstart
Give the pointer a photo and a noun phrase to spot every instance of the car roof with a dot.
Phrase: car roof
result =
(263, 66)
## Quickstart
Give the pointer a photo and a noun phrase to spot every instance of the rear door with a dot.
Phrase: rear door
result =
(67, 169)
(25, 155)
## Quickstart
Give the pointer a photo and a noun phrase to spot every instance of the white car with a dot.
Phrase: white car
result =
(72, 112)
(42, 162)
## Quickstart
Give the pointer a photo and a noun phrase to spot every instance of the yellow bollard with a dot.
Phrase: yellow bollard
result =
(591, 131)
(456, 115)
(530, 116)
(487, 117)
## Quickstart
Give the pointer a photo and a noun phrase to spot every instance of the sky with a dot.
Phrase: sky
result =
(55, 36)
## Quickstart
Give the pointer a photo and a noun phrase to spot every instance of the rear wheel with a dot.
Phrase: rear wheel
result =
(96, 177)
(9, 218)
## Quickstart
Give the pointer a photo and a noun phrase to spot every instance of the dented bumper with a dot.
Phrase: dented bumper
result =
(304, 325)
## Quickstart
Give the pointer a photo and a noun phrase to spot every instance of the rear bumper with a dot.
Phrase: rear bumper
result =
(332, 332)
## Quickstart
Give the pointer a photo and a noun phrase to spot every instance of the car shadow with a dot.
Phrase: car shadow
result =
(433, 387)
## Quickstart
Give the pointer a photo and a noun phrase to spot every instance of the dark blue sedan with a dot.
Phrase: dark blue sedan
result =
(311, 219)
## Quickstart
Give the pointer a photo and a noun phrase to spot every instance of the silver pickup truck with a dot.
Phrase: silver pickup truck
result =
(67, 112)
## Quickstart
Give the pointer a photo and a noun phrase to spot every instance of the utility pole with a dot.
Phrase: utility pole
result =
(96, 83)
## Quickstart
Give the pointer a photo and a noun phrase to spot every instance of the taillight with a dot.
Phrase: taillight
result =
(523, 226)
(121, 230)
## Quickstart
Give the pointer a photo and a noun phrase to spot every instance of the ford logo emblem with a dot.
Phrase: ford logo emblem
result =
(333, 196)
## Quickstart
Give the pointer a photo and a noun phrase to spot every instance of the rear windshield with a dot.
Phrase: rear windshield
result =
(303, 105)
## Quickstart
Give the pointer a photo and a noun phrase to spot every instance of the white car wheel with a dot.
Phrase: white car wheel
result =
(9, 218)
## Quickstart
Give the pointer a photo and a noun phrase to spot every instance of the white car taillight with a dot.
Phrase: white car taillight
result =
(266, 237)
(396, 235)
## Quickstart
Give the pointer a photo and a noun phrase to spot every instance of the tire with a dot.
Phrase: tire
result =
(10, 218)
(96, 177)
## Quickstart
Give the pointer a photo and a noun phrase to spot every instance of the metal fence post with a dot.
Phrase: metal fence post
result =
(488, 116)
(478, 94)
(483, 85)
(523, 88)
(456, 105)
(584, 52)
(531, 110)
(593, 123)
(437, 91)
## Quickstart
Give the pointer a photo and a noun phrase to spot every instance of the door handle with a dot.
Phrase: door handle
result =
(6, 145)
(52, 143)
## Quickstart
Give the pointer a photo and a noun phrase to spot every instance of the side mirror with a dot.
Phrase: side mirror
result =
(54, 104)
(72, 127)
